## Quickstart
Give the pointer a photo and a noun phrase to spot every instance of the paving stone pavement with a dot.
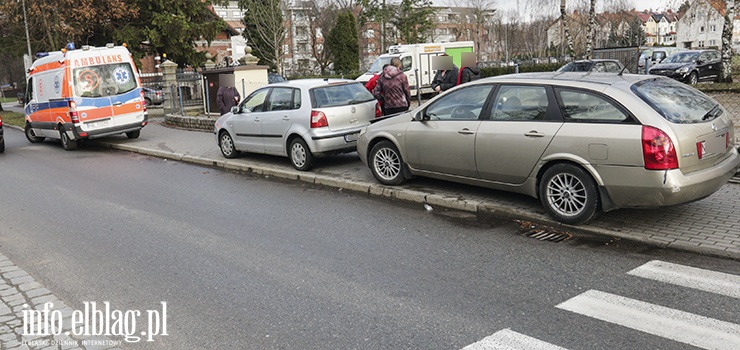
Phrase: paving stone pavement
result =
(19, 292)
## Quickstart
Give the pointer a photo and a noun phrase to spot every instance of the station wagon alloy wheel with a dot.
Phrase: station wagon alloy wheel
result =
(387, 165)
(569, 194)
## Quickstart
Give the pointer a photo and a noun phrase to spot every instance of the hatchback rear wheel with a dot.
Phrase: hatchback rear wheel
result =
(386, 163)
(300, 155)
(569, 194)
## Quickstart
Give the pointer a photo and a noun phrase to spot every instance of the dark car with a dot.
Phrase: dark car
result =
(153, 97)
(2, 139)
(275, 78)
(595, 65)
(690, 66)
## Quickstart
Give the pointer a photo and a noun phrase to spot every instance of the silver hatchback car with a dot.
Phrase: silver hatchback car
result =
(580, 142)
(300, 119)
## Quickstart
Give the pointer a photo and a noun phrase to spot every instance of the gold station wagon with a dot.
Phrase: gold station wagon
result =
(580, 142)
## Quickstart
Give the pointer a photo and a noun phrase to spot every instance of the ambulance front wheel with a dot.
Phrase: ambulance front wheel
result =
(67, 143)
(133, 134)
(31, 136)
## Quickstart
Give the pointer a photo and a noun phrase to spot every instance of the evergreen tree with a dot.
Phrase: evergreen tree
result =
(413, 20)
(344, 44)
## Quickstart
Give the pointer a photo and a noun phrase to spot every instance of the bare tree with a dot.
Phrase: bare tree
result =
(727, 42)
(566, 29)
(473, 19)
(265, 29)
(322, 17)
(591, 28)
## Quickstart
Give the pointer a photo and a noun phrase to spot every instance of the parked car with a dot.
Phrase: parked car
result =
(580, 142)
(2, 139)
(301, 119)
(691, 66)
(594, 65)
(275, 78)
(153, 97)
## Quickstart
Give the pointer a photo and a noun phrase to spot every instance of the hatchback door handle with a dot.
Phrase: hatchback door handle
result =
(466, 131)
(534, 133)
(286, 118)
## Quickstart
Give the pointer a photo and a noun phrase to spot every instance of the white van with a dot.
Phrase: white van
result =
(83, 94)
(416, 62)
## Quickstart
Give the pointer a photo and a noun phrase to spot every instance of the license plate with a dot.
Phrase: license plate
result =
(715, 144)
(98, 124)
(351, 137)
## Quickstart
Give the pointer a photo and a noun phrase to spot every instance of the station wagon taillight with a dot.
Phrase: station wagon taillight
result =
(73, 112)
(318, 119)
(658, 150)
(378, 111)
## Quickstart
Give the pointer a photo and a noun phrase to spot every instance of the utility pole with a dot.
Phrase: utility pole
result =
(27, 62)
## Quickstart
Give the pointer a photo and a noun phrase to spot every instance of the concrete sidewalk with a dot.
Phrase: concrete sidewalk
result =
(710, 226)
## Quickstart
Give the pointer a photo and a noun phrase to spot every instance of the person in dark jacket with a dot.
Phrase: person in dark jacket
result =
(445, 79)
(227, 97)
(393, 87)
(469, 70)
(468, 74)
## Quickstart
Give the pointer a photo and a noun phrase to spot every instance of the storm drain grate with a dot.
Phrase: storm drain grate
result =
(547, 235)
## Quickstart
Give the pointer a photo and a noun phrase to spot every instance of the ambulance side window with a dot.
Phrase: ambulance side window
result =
(29, 91)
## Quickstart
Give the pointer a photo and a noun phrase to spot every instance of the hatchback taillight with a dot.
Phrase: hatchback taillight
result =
(658, 150)
(318, 119)
(378, 111)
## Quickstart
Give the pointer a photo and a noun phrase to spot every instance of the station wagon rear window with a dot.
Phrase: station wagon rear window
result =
(676, 102)
(340, 95)
(103, 80)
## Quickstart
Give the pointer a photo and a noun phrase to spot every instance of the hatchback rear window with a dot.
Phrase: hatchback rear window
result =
(677, 102)
(340, 95)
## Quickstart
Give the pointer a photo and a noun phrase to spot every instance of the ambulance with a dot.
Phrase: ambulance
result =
(86, 93)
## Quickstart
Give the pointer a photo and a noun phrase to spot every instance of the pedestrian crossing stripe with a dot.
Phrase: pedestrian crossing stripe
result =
(691, 277)
(506, 339)
(684, 327)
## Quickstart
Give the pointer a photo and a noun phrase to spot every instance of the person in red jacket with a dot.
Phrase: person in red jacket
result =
(370, 85)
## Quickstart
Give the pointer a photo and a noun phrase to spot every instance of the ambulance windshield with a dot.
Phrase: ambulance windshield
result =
(104, 80)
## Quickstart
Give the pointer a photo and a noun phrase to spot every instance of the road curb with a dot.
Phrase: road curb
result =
(479, 208)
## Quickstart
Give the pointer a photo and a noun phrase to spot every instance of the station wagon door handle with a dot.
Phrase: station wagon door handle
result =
(466, 131)
(534, 133)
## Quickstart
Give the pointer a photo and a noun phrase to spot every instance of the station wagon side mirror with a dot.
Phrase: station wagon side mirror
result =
(235, 110)
(419, 116)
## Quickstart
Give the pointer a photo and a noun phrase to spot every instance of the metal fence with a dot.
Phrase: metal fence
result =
(186, 93)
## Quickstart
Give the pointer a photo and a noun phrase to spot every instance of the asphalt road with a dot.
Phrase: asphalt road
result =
(250, 263)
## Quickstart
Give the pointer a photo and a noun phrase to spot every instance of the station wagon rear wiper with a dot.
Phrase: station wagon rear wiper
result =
(713, 113)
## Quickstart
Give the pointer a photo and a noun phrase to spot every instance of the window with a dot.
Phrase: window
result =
(406, 63)
(461, 104)
(254, 102)
(236, 14)
(712, 42)
(523, 103)
(701, 43)
(370, 33)
(281, 99)
(713, 28)
(581, 106)
(701, 29)
(222, 14)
